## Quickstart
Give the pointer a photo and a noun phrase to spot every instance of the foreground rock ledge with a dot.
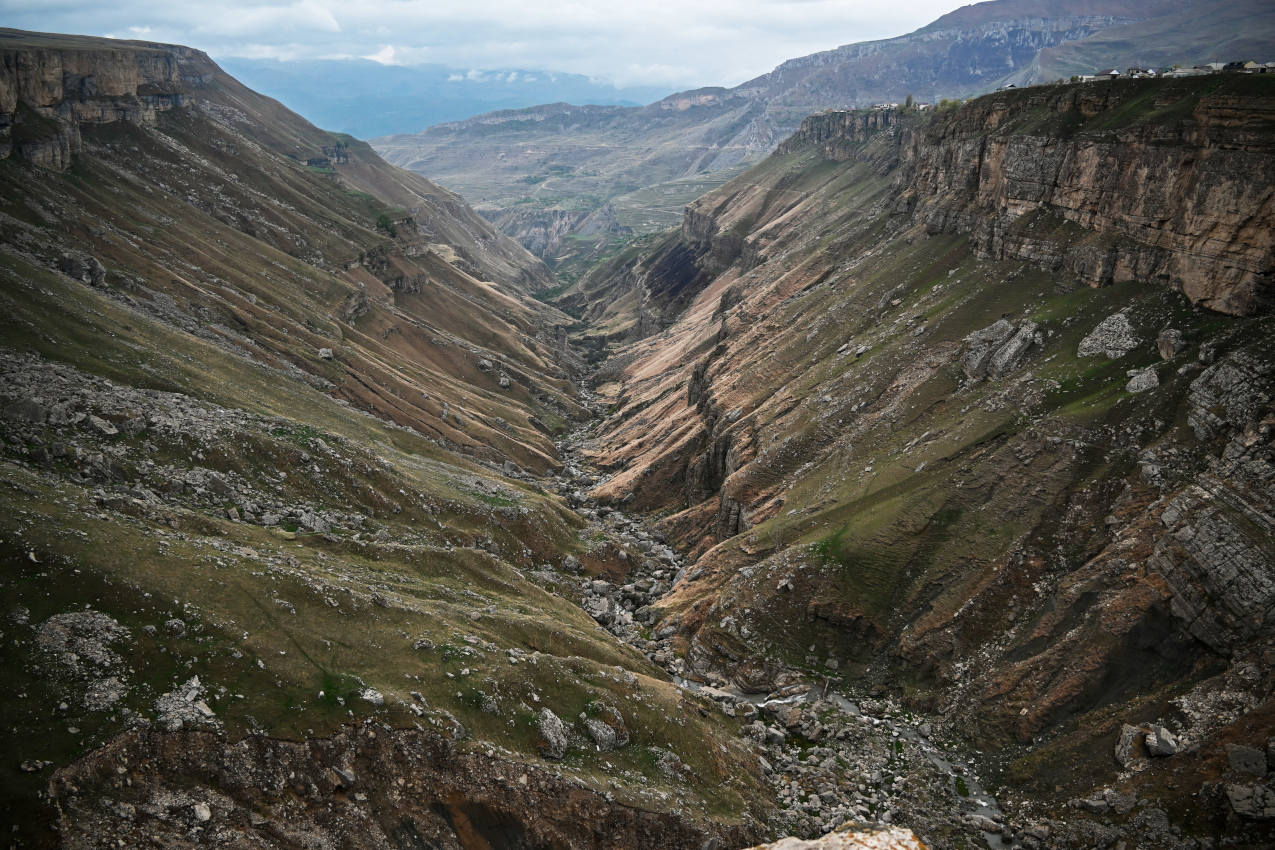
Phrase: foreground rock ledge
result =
(853, 836)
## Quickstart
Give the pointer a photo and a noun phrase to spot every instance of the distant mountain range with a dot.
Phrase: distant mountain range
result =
(365, 98)
(640, 159)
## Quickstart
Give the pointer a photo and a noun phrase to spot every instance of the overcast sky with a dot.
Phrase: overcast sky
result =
(680, 43)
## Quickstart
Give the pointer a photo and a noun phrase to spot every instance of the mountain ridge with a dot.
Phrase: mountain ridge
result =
(633, 158)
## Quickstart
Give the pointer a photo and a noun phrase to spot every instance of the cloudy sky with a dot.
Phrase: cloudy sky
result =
(679, 43)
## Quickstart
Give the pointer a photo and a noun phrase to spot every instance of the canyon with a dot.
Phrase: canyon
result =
(919, 486)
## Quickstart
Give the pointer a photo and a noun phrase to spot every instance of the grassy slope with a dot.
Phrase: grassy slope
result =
(227, 266)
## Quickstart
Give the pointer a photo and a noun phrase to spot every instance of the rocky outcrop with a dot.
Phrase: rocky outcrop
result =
(47, 93)
(368, 786)
(853, 837)
(838, 135)
(997, 349)
(1171, 183)
(1217, 550)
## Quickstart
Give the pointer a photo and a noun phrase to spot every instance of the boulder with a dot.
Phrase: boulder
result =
(603, 735)
(82, 267)
(1252, 801)
(1143, 380)
(1161, 742)
(101, 426)
(1113, 337)
(26, 410)
(1171, 342)
(1130, 750)
(997, 349)
(553, 734)
(1249, 760)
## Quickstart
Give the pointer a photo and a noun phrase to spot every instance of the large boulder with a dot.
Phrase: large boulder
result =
(853, 837)
(553, 734)
(997, 349)
(1113, 337)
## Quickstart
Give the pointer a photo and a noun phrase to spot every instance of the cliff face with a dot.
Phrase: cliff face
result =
(1173, 181)
(980, 402)
(1166, 181)
(48, 92)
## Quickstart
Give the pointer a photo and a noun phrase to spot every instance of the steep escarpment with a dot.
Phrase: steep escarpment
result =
(975, 408)
(51, 86)
(1172, 178)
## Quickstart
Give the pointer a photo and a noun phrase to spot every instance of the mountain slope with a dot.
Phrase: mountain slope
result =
(642, 159)
(272, 468)
(933, 402)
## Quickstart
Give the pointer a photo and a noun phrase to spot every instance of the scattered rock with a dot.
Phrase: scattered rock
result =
(373, 696)
(78, 646)
(325, 354)
(184, 707)
(202, 812)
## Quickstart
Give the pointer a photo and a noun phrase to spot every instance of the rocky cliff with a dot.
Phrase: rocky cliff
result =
(1172, 179)
(974, 406)
(50, 87)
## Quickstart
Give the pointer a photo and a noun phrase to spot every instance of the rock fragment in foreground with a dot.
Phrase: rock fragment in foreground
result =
(853, 836)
